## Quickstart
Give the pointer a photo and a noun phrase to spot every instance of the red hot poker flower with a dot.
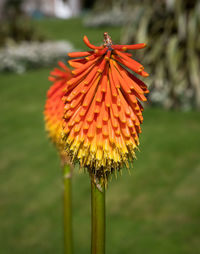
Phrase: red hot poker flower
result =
(102, 110)
(54, 107)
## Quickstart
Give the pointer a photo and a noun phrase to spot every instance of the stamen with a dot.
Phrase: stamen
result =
(107, 40)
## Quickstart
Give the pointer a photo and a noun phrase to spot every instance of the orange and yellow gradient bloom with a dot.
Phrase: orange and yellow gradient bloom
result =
(54, 107)
(102, 112)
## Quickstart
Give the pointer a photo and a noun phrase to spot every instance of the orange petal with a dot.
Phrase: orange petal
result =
(132, 66)
(76, 101)
(85, 66)
(104, 112)
(90, 94)
(79, 54)
(104, 82)
(124, 103)
(99, 119)
(75, 64)
(99, 93)
(108, 95)
(91, 130)
(126, 47)
(111, 132)
(132, 84)
(114, 120)
(112, 85)
(115, 80)
(114, 107)
(105, 129)
(130, 60)
(122, 82)
(91, 75)
(85, 39)
(102, 65)
(122, 116)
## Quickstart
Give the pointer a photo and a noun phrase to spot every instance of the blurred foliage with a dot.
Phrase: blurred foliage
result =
(73, 30)
(171, 29)
(15, 25)
(107, 13)
(87, 4)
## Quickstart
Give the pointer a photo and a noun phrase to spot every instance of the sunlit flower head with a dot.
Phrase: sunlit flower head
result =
(54, 107)
(103, 112)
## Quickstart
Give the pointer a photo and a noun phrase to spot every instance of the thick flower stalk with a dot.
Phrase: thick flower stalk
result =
(103, 112)
(54, 109)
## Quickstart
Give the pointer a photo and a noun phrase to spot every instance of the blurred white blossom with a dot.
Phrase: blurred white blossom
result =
(114, 17)
(27, 55)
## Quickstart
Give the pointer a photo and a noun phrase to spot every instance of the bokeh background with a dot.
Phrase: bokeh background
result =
(156, 209)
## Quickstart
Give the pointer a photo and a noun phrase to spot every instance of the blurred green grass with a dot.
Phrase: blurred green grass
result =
(73, 30)
(155, 210)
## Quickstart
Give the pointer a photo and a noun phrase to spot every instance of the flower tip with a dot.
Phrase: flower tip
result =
(70, 63)
(50, 78)
(85, 38)
(144, 74)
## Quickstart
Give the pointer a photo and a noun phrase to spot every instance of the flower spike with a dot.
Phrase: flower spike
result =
(103, 112)
(54, 107)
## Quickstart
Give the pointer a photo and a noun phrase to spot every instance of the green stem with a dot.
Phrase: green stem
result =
(98, 219)
(68, 245)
